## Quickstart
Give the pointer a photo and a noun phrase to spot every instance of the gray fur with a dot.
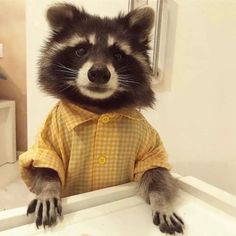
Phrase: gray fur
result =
(158, 180)
(47, 205)
(160, 189)
(44, 178)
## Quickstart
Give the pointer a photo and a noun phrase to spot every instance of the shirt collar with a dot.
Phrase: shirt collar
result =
(75, 115)
(130, 113)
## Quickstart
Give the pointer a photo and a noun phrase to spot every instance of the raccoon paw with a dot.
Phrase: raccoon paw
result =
(46, 210)
(168, 223)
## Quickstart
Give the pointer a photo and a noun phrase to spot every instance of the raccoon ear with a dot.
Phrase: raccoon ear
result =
(141, 21)
(60, 15)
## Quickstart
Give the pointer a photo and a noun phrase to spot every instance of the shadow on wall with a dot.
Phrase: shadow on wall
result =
(7, 82)
(2, 74)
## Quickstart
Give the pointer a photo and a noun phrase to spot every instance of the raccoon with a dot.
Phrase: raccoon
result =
(101, 65)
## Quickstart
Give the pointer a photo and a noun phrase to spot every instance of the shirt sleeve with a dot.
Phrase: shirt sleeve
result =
(45, 153)
(151, 155)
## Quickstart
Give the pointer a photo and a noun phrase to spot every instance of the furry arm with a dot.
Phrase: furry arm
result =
(159, 188)
(47, 204)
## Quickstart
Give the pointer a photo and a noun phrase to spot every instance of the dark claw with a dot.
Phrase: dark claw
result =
(48, 207)
(45, 222)
(178, 218)
(45, 216)
(46, 212)
(170, 228)
(178, 227)
(31, 207)
(52, 220)
(168, 224)
(59, 209)
(164, 216)
(171, 231)
(57, 205)
(55, 202)
(156, 219)
(166, 229)
(49, 221)
(39, 216)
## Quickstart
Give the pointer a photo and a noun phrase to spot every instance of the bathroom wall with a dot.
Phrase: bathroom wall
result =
(12, 35)
(196, 103)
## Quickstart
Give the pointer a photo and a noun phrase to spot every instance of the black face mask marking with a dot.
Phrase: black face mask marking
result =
(98, 62)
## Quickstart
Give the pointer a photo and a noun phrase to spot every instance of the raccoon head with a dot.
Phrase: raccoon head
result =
(98, 62)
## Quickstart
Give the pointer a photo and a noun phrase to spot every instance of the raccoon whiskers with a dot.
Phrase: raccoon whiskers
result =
(126, 79)
(122, 69)
(65, 70)
(65, 67)
(124, 87)
(128, 84)
(64, 87)
(72, 74)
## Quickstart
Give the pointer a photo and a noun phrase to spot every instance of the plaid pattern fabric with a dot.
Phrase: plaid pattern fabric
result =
(91, 151)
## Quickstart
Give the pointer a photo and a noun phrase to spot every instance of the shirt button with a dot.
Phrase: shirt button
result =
(105, 119)
(102, 160)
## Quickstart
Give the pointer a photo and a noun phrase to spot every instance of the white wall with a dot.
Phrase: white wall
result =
(196, 108)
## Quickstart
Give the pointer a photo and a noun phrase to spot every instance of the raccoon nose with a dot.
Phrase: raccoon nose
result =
(99, 74)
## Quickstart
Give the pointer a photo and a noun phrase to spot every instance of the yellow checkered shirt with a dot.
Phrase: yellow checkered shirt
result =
(91, 151)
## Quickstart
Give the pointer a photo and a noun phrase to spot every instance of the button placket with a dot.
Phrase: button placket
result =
(101, 159)
(105, 119)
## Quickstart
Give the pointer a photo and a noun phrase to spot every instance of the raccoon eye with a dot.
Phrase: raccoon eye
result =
(81, 51)
(118, 56)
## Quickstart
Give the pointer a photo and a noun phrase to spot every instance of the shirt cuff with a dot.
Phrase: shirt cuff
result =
(142, 166)
(39, 157)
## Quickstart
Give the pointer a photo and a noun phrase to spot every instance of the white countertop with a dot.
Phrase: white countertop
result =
(132, 216)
